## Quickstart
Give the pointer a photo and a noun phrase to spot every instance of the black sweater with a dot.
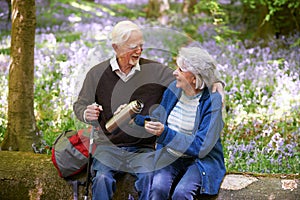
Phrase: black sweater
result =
(104, 86)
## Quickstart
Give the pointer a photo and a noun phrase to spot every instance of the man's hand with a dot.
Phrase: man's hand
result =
(92, 112)
(120, 108)
(218, 87)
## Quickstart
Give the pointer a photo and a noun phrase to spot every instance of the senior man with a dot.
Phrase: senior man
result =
(115, 82)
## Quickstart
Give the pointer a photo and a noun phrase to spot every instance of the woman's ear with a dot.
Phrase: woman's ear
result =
(114, 46)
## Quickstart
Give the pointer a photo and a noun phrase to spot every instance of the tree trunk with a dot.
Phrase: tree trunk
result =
(265, 29)
(188, 6)
(153, 9)
(157, 9)
(21, 127)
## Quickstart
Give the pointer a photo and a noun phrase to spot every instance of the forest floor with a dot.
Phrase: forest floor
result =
(239, 187)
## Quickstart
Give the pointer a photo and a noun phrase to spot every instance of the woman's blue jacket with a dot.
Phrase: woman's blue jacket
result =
(204, 144)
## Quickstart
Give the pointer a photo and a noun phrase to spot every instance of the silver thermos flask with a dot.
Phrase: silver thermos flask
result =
(124, 116)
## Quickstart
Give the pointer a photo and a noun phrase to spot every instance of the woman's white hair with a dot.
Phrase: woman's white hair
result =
(200, 63)
(122, 31)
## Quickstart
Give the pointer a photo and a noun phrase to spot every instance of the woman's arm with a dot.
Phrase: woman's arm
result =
(203, 140)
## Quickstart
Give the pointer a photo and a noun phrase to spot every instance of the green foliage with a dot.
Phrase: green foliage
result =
(4, 45)
(5, 51)
(214, 10)
(4, 33)
(3, 122)
(282, 15)
(3, 104)
(216, 15)
(130, 13)
(251, 131)
(261, 154)
(273, 6)
(68, 37)
(47, 19)
(52, 118)
(63, 9)
(296, 44)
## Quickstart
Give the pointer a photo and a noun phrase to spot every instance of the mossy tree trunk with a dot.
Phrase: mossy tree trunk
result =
(21, 127)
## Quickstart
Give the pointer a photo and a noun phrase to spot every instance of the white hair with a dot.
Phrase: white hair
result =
(200, 63)
(122, 31)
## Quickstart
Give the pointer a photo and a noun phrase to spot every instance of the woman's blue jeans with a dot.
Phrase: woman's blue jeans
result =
(181, 180)
(124, 159)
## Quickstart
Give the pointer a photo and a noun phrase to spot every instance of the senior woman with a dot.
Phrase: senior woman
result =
(189, 155)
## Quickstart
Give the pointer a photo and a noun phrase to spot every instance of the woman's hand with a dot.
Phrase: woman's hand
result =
(155, 128)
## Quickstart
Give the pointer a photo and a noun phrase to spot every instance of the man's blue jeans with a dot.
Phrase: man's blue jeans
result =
(110, 161)
(183, 175)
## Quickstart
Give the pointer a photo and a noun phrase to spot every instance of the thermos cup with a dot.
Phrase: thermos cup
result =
(124, 116)
(149, 119)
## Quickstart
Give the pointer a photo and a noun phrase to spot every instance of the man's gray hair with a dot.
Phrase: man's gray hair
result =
(200, 63)
(122, 31)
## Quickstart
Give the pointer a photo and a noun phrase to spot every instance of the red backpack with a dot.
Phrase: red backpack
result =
(70, 152)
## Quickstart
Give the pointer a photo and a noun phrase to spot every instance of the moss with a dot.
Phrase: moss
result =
(25, 175)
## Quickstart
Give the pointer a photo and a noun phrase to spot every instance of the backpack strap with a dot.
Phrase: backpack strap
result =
(75, 185)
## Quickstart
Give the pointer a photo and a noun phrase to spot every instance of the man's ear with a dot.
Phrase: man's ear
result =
(194, 80)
